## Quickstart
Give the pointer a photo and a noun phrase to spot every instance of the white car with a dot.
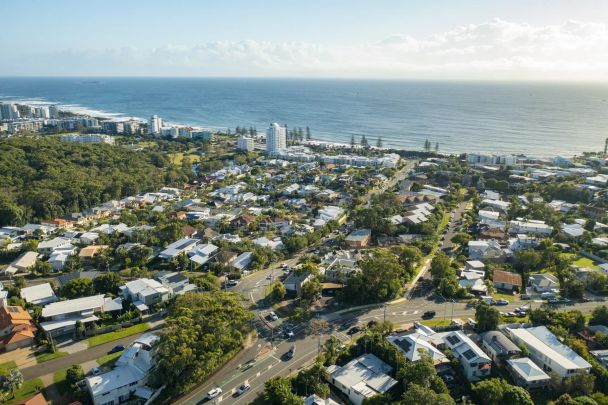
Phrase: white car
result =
(214, 393)
(273, 317)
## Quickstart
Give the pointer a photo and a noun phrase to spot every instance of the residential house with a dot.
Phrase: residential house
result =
(37, 399)
(573, 230)
(66, 278)
(129, 376)
(61, 317)
(485, 250)
(317, 400)
(17, 328)
(202, 254)
(530, 227)
(294, 282)
(41, 294)
(527, 374)
(341, 265)
(88, 252)
(475, 363)
(361, 378)
(506, 280)
(414, 344)
(182, 246)
(543, 283)
(22, 264)
(358, 239)
(498, 346)
(548, 352)
(48, 246)
(600, 355)
(242, 261)
(144, 292)
(176, 283)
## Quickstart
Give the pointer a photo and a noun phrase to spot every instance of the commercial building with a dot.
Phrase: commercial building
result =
(245, 143)
(276, 138)
(361, 378)
(88, 138)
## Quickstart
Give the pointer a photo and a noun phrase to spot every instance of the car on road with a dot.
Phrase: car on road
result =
(292, 352)
(269, 277)
(353, 330)
(217, 391)
(117, 349)
(510, 314)
(501, 301)
(242, 389)
(428, 314)
(288, 334)
(272, 316)
(347, 324)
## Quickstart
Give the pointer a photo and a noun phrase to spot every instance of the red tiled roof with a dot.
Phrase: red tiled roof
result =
(507, 277)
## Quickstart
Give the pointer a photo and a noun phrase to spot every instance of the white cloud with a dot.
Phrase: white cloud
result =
(496, 49)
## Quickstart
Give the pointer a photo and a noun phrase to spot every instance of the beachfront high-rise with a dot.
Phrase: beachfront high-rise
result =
(9, 112)
(155, 124)
(245, 143)
(276, 138)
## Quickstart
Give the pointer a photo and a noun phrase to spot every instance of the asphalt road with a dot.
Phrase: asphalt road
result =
(51, 366)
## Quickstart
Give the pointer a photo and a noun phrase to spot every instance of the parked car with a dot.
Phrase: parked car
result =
(353, 330)
(117, 349)
(501, 301)
(232, 283)
(96, 371)
(272, 316)
(288, 334)
(242, 389)
(429, 314)
(217, 391)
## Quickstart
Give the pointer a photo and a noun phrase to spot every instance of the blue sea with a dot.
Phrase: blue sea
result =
(541, 119)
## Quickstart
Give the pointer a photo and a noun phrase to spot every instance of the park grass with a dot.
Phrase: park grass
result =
(108, 360)
(28, 389)
(177, 158)
(59, 381)
(433, 323)
(4, 367)
(121, 333)
(41, 357)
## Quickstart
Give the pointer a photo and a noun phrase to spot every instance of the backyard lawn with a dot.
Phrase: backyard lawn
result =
(28, 389)
(586, 262)
(59, 380)
(108, 337)
(4, 367)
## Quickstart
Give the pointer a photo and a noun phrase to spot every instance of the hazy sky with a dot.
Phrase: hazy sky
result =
(443, 39)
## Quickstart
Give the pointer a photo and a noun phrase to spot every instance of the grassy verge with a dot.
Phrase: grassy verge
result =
(4, 367)
(108, 360)
(46, 356)
(28, 389)
(436, 322)
(586, 262)
(108, 337)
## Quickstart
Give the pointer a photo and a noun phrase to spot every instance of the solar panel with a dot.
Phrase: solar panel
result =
(468, 354)
(453, 339)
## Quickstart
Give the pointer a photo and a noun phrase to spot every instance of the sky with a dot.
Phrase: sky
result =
(380, 39)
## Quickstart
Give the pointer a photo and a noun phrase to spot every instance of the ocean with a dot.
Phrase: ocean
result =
(539, 119)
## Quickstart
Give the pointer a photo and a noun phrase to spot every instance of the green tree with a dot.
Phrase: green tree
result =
(461, 238)
(77, 288)
(107, 283)
(310, 290)
(13, 380)
(364, 142)
(311, 381)
(599, 316)
(72, 264)
(277, 391)
(496, 391)
(43, 268)
(277, 292)
(378, 281)
(419, 395)
(486, 317)
(74, 374)
(206, 282)
(140, 255)
(379, 142)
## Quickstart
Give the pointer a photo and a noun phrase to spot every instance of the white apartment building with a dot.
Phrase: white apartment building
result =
(548, 352)
(154, 125)
(531, 226)
(276, 138)
(9, 112)
(245, 143)
(88, 138)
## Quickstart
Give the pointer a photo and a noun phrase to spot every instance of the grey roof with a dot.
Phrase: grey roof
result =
(499, 342)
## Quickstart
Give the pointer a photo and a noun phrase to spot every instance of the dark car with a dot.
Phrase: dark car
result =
(429, 314)
(116, 349)
(292, 351)
(353, 330)
(347, 324)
